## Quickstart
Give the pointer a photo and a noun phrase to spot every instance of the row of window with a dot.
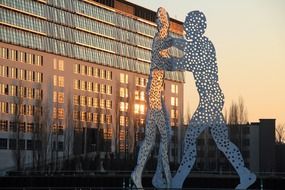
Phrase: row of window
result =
(22, 20)
(138, 108)
(139, 95)
(92, 102)
(88, 54)
(27, 6)
(23, 126)
(65, 17)
(92, 117)
(140, 81)
(24, 144)
(24, 109)
(62, 32)
(92, 71)
(25, 92)
(92, 87)
(16, 55)
(21, 74)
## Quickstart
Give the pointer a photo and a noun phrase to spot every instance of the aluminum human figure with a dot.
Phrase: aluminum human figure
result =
(157, 117)
(200, 59)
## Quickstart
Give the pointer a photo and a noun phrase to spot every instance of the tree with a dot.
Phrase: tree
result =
(69, 130)
(45, 130)
(237, 113)
(280, 133)
(130, 132)
(116, 107)
(37, 128)
(188, 116)
(17, 127)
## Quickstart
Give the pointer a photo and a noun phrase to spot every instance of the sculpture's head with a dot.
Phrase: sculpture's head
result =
(195, 24)
(162, 21)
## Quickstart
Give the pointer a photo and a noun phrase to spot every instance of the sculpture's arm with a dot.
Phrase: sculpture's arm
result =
(167, 43)
(179, 43)
(175, 64)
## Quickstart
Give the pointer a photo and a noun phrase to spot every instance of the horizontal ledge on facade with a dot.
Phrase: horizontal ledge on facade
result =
(144, 60)
(42, 1)
(147, 35)
(99, 5)
(146, 48)
(93, 47)
(93, 18)
(146, 21)
(95, 33)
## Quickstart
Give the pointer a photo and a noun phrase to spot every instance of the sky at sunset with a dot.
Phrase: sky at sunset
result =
(249, 37)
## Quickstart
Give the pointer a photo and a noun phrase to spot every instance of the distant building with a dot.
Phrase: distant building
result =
(280, 157)
(72, 78)
(256, 142)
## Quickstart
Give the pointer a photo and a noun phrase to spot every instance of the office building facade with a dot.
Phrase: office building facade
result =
(73, 75)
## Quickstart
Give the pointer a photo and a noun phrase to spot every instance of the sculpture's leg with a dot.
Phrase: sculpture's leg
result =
(144, 152)
(158, 181)
(189, 154)
(160, 123)
(219, 132)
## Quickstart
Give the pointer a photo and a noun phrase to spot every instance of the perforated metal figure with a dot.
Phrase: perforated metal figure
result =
(200, 59)
(157, 117)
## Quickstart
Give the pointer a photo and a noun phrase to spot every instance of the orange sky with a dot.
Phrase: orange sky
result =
(249, 37)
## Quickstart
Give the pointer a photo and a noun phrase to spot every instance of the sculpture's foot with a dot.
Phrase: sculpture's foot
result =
(246, 181)
(158, 181)
(137, 181)
(176, 183)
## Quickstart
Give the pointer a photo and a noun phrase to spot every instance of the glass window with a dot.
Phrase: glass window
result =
(76, 99)
(76, 84)
(137, 96)
(109, 89)
(13, 108)
(3, 143)
(137, 108)
(89, 101)
(142, 94)
(83, 85)
(95, 102)
(109, 75)
(60, 81)
(76, 68)
(60, 97)
(61, 65)
(124, 78)
(89, 86)
(83, 116)
(109, 104)
(60, 113)
(173, 101)
(82, 100)
(3, 124)
(102, 103)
